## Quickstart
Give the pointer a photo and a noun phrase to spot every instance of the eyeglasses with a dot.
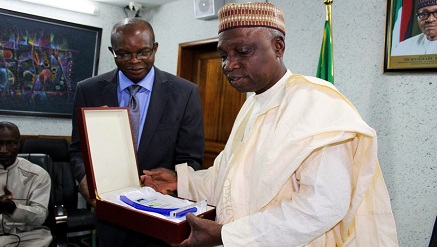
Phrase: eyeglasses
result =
(425, 15)
(144, 54)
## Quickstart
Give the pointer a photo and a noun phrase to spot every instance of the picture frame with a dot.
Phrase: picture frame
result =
(401, 55)
(41, 61)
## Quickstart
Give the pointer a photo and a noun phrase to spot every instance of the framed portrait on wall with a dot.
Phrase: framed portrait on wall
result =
(411, 39)
(41, 61)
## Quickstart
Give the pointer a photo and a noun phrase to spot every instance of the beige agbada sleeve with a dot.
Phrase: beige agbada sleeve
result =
(309, 114)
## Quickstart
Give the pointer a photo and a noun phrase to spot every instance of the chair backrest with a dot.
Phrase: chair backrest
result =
(56, 148)
(65, 189)
(44, 161)
(433, 240)
(66, 192)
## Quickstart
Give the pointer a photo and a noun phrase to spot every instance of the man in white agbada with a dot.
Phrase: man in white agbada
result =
(426, 42)
(300, 167)
(26, 186)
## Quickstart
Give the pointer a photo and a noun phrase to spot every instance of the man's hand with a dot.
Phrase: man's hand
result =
(160, 179)
(83, 189)
(203, 233)
(7, 205)
(8, 194)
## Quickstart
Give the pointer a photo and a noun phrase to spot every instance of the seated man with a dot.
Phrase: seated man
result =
(26, 186)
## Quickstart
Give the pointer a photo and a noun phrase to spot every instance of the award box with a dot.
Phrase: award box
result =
(111, 168)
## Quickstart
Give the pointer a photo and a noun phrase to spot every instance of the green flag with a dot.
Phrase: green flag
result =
(325, 69)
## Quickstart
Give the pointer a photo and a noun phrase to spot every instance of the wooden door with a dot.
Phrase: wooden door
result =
(200, 63)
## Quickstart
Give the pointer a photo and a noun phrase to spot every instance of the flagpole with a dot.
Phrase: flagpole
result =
(325, 68)
(328, 5)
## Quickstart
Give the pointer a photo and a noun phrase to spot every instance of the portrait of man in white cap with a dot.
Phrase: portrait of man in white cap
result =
(425, 42)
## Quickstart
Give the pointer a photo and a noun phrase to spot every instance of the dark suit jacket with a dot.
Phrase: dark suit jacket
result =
(173, 130)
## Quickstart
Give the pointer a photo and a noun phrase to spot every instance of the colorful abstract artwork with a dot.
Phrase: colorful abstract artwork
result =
(41, 61)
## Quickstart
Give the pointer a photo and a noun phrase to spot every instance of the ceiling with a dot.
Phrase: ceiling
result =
(142, 3)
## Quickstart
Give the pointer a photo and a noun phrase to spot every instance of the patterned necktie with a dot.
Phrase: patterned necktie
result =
(134, 109)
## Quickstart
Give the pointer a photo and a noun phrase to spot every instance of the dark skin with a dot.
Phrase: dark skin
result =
(9, 148)
(7, 205)
(130, 36)
(251, 58)
(133, 37)
(429, 26)
(252, 62)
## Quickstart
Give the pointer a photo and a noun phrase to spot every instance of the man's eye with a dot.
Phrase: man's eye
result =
(244, 51)
(145, 53)
(11, 143)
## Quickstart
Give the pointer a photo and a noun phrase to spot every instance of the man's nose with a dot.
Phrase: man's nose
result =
(230, 64)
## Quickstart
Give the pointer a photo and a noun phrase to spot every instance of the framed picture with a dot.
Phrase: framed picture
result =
(41, 61)
(407, 48)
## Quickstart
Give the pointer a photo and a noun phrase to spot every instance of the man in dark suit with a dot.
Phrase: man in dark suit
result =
(170, 122)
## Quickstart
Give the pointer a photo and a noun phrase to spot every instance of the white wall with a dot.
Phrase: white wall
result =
(401, 107)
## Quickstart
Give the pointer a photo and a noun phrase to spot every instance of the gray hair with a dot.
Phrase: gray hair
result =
(130, 22)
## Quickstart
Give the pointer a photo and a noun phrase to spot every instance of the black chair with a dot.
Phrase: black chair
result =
(65, 188)
(433, 240)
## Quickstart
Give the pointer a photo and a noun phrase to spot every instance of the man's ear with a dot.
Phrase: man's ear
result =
(156, 47)
(279, 46)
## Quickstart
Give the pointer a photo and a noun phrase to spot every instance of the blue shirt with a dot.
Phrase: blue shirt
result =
(143, 95)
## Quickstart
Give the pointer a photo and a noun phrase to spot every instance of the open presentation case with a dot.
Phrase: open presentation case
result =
(111, 169)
